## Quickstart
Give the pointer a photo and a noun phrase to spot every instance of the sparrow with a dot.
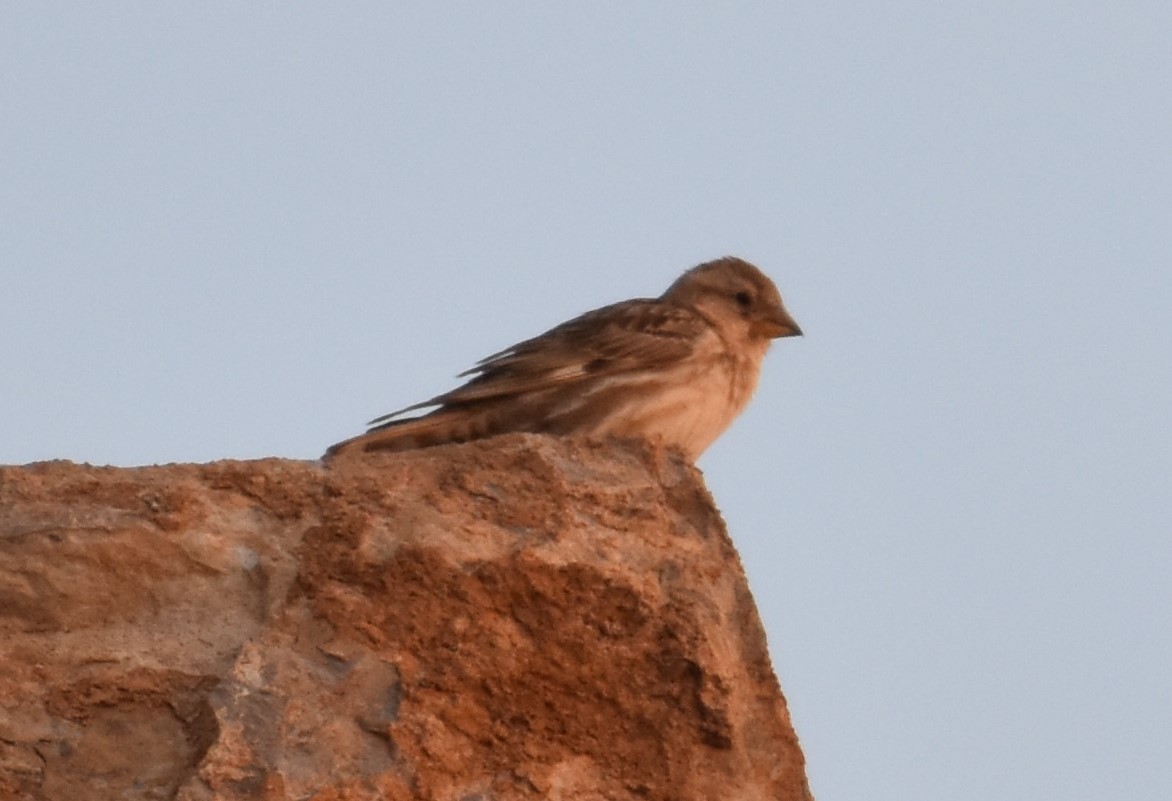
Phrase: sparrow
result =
(676, 369)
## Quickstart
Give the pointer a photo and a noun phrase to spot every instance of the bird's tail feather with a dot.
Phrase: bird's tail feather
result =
(438, 428)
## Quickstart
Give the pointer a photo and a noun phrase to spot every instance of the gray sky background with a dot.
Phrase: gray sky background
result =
(242, 230)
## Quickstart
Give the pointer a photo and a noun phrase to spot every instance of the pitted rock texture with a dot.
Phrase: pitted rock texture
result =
(519, 618)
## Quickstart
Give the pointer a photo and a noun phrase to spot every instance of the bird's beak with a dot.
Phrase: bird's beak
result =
(775, 323)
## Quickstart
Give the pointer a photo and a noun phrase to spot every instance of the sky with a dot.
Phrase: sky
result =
(237, 230)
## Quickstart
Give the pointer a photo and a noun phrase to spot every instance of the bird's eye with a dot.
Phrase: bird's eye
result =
(743, 299)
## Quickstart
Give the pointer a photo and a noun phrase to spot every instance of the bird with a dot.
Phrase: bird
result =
(675, 370)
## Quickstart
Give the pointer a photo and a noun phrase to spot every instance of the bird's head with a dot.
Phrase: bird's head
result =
(732, 292)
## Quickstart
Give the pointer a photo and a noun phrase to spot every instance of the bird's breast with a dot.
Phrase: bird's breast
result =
(685, 405)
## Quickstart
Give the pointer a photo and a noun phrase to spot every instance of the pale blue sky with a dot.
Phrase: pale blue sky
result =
(242, 230)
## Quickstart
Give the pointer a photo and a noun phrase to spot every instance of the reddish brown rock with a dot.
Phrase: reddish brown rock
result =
(521, 618)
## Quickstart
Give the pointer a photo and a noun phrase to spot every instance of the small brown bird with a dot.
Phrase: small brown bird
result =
(677, 369)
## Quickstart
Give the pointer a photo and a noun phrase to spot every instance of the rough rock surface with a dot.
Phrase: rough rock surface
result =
(520, 618)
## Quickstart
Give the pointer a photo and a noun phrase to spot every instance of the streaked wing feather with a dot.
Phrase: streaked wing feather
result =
(625, 337)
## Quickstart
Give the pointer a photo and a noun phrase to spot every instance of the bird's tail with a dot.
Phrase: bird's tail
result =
(441, 427)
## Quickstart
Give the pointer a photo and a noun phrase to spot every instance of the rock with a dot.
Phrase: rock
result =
(517, 618)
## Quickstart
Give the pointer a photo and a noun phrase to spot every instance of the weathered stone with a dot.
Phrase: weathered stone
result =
(518, 618)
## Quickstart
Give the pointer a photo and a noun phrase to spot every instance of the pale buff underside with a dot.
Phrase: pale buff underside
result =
(686, 406)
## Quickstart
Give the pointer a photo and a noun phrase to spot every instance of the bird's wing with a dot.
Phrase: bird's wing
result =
(625, 337)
